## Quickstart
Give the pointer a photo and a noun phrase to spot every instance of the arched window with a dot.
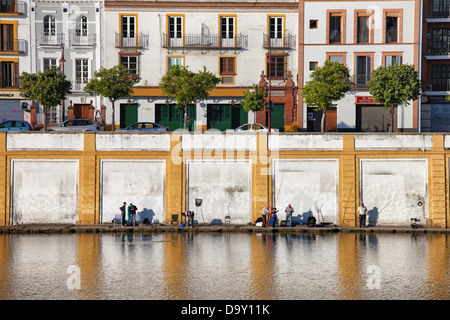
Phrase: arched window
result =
(49, 25)
(81, 26)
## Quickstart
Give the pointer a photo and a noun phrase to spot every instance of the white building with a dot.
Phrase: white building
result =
(364, 35)
(229, 38)
(14, 57)
(68, 30)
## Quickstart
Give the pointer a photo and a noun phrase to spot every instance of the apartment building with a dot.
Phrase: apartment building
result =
(14, 58)
(435, 109)
(231, 39)
(364, 35)
(68, 34)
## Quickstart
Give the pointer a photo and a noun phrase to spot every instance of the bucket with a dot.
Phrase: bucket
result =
(182, 224)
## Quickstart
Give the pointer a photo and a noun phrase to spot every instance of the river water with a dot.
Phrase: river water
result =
(222, 266)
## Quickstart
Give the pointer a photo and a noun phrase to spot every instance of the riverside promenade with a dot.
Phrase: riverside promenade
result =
(161, 228)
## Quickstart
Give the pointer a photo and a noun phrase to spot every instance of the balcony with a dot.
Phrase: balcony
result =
(78, 86)
(438, 51)
(52, 39)
(200, 41)
(287, 41)
(12, 46)
(439, 85)
(436, 12)
(361, 81)
(83, 40)
(139, 41)
(12, 8)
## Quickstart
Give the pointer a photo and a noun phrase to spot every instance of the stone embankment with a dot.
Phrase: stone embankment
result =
(155, 228)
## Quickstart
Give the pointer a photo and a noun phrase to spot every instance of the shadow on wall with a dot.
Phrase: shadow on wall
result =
(146, 215)
(372, 217)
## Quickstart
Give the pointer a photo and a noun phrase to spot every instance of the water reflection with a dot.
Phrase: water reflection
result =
(226, 266)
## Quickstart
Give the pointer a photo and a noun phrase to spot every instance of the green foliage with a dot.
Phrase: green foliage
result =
(186, 87)
(47, 88)
(112, 83)
(394, 85)
(255, 99)
(328, 84)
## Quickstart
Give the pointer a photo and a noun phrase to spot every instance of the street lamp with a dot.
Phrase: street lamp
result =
(61, 62)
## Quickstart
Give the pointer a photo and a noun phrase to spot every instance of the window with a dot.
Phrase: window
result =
(390, 60)
(276, 67)
(81, 71)
(7, 6)
(440, 77)
(6, 37)
(81, 26)
(336, 59)
(9, 71)
(362, 26)
(49, 26)
(441, 40)
(313, 65)
(391, 29)
(335, 29)
(441, 8)
(128, 25)
(227, 69)
(130, 61)
(175, 31)
(227, 30)
(172, 61)
(227, 65)
(313, 24)
(363, 68)
(49, 63)
(276, 27)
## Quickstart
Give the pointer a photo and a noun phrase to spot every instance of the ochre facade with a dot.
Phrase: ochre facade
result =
(348, 157)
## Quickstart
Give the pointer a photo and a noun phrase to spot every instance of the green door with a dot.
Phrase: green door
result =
(225, 116)
(277, 117)
(172, 117)
(219, 116)
(128, 114)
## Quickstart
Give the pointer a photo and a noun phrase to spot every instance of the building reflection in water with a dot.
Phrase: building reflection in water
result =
(263, 266)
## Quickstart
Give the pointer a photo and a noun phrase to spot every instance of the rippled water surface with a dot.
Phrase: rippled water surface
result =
(225, 266)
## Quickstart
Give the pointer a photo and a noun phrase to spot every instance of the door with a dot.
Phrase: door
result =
(128, 31)
(172, 117)
(331, 120)
(227, 32)
(374, 118)
(175, 31)
(277, 117)
(276, 31)
(81, 111)
(219, 116)
(7, 37)
(50, 29)
(128, 114)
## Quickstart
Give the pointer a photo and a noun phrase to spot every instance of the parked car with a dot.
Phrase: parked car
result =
(15, 125)
(144, 127)
(77, 125)
(254, 127)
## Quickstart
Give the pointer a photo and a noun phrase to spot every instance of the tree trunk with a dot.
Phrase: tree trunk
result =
(391, 129)
(322, 121)
(113, 116)
(45, 118)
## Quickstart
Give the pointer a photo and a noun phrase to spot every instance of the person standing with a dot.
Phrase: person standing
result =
(265, 212)
(289, 212)
(122, 211)
(274, 217)
(362, 210)
(133, 210)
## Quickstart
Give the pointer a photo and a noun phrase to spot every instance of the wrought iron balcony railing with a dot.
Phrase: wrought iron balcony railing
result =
(201, 41)
(52, 39)
(361, 80)
(138, 41)
(286, 41)
(438, 49)
(15, 45)
(83, 40)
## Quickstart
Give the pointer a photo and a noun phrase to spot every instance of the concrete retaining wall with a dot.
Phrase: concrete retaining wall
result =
(84, 178)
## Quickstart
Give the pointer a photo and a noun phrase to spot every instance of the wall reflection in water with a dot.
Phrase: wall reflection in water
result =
(225, 266)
